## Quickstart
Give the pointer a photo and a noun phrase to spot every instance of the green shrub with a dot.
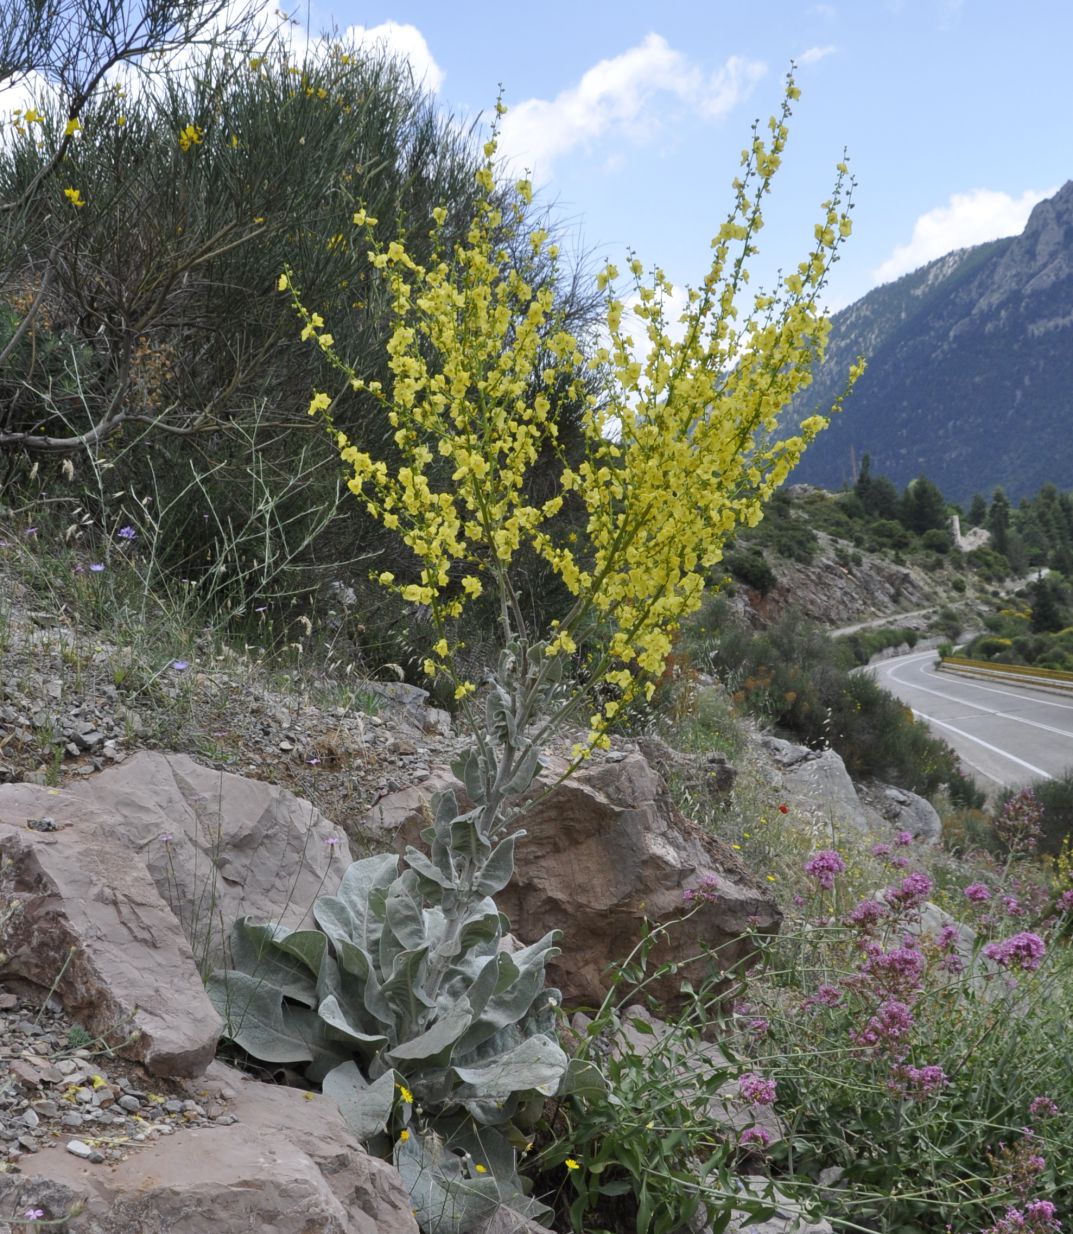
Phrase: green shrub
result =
(749, 566)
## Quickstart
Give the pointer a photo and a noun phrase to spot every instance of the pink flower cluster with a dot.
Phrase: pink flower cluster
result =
(977, 893)
(1037, 1217)
(1024, 951)
(755, 1089)
(824, 866)
(919, 1083)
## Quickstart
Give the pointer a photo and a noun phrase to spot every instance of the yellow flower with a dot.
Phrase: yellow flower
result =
(120, 121)
(256, 63)
(72, 126)
(571, 1164)
(404, 1135)
(441, 648)
(190, 136)
(319, 402)
(74, 196)
(481, 1169)
(405, 1094)
(33, 116)
(439, 214)
(284, 283)
(387, 578)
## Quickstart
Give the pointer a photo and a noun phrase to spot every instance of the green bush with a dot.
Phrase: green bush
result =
(749, 566)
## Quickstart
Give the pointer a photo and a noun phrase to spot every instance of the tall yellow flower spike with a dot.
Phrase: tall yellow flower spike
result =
(683, 440)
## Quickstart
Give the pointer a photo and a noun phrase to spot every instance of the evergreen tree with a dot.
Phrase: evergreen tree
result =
(1046, 614)
(998, 521)
(923, 507)
(977, 511)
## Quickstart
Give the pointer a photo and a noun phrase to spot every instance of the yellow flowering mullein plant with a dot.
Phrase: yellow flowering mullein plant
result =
(682, 443)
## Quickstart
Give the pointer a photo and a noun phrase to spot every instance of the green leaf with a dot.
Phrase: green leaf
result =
(428, 869)
(467, 839)
(469, 768)
(444, 1199)
(583, 1080)
(334, 1015)
(256, 950)
(537, 1063)
(402, 990)
(257, 1019)
(499, 868)
(366, 1108)
(434, 1046)
(402, 911)
(527, 771)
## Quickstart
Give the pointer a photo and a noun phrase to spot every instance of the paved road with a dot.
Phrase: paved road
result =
(1004, 734)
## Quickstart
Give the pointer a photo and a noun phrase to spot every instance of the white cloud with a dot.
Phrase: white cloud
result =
(624, 95)
(969, 218)
(813, 55)
(404, 41)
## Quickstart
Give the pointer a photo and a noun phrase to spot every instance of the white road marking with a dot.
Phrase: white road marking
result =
(991, 711)
(986, 744)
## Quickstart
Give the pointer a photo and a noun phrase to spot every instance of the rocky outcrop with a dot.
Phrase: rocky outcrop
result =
(901, 810)
(87, 920)
(817, 780)
(605, 852)
(284, 1166)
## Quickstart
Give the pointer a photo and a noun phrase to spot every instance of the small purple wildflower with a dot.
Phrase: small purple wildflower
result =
(904, 838)
(707, 892)
(180, 666)
(263, 609)
(880, 850)
(32, 1214)
(899, 862)
(332, 841)
(977, 893)
(78, 568)
(890, 1024)
(755, 1089)
(1043, 1107)
(1024, 951)
(166, 838)
(1013, 906)
(96, 566)
(921, 1082)
(1038, 1217)
(866, 914)
(947, 937)
(313, 762)
(911, 891)
(755, 1135)
(824, 866)
(1065, 902)
(126, 533)
(30, 532)
(759, 1026)
(897, 971)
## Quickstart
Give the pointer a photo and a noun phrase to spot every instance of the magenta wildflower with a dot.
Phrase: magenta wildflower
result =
(824, 866)
(880, 850)
(1043, 1107)
(897, 971)
(1013, 906)
(919, 1082)
(911, 891)
(32, 1214)
(947, 937)
(1065, 902)
(904, 838)
(332, 841)
(707, 892)
(899, 862)
(755, 1135)
(126, 533)
(977, 893)
(890, 1024)
(755, 1089)
(866, 914)
(1024, 951)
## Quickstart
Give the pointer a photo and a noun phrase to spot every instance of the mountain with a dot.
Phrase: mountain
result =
(970, 369)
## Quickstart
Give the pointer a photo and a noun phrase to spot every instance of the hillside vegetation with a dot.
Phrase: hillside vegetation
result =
(299, 397)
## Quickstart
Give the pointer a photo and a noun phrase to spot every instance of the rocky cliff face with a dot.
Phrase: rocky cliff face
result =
(970, 368)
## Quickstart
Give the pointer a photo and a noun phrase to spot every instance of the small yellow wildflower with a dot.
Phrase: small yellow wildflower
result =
(403, 1136)
(74, 196)
(481, 1169)
(284, 283)
(406, 1095)
(72, 126)
(120, 121)
(386, 578)
(571, 1164)
(33, 116)
(190, 136)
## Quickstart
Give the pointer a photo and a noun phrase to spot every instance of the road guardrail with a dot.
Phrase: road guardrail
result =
(1012, 674)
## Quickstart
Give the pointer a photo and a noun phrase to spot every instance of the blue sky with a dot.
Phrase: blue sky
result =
(632, 116)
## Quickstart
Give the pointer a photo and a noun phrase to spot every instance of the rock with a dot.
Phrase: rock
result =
(282, 1166)
(506, 1221)
(79, 1148)
(92, 921)
(819, 779)
(905, 811)
(603, 852)
(237, 847)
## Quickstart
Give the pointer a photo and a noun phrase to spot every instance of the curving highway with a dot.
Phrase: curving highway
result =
(1004, 734)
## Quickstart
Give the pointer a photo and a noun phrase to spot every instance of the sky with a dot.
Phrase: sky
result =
(632, 117)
